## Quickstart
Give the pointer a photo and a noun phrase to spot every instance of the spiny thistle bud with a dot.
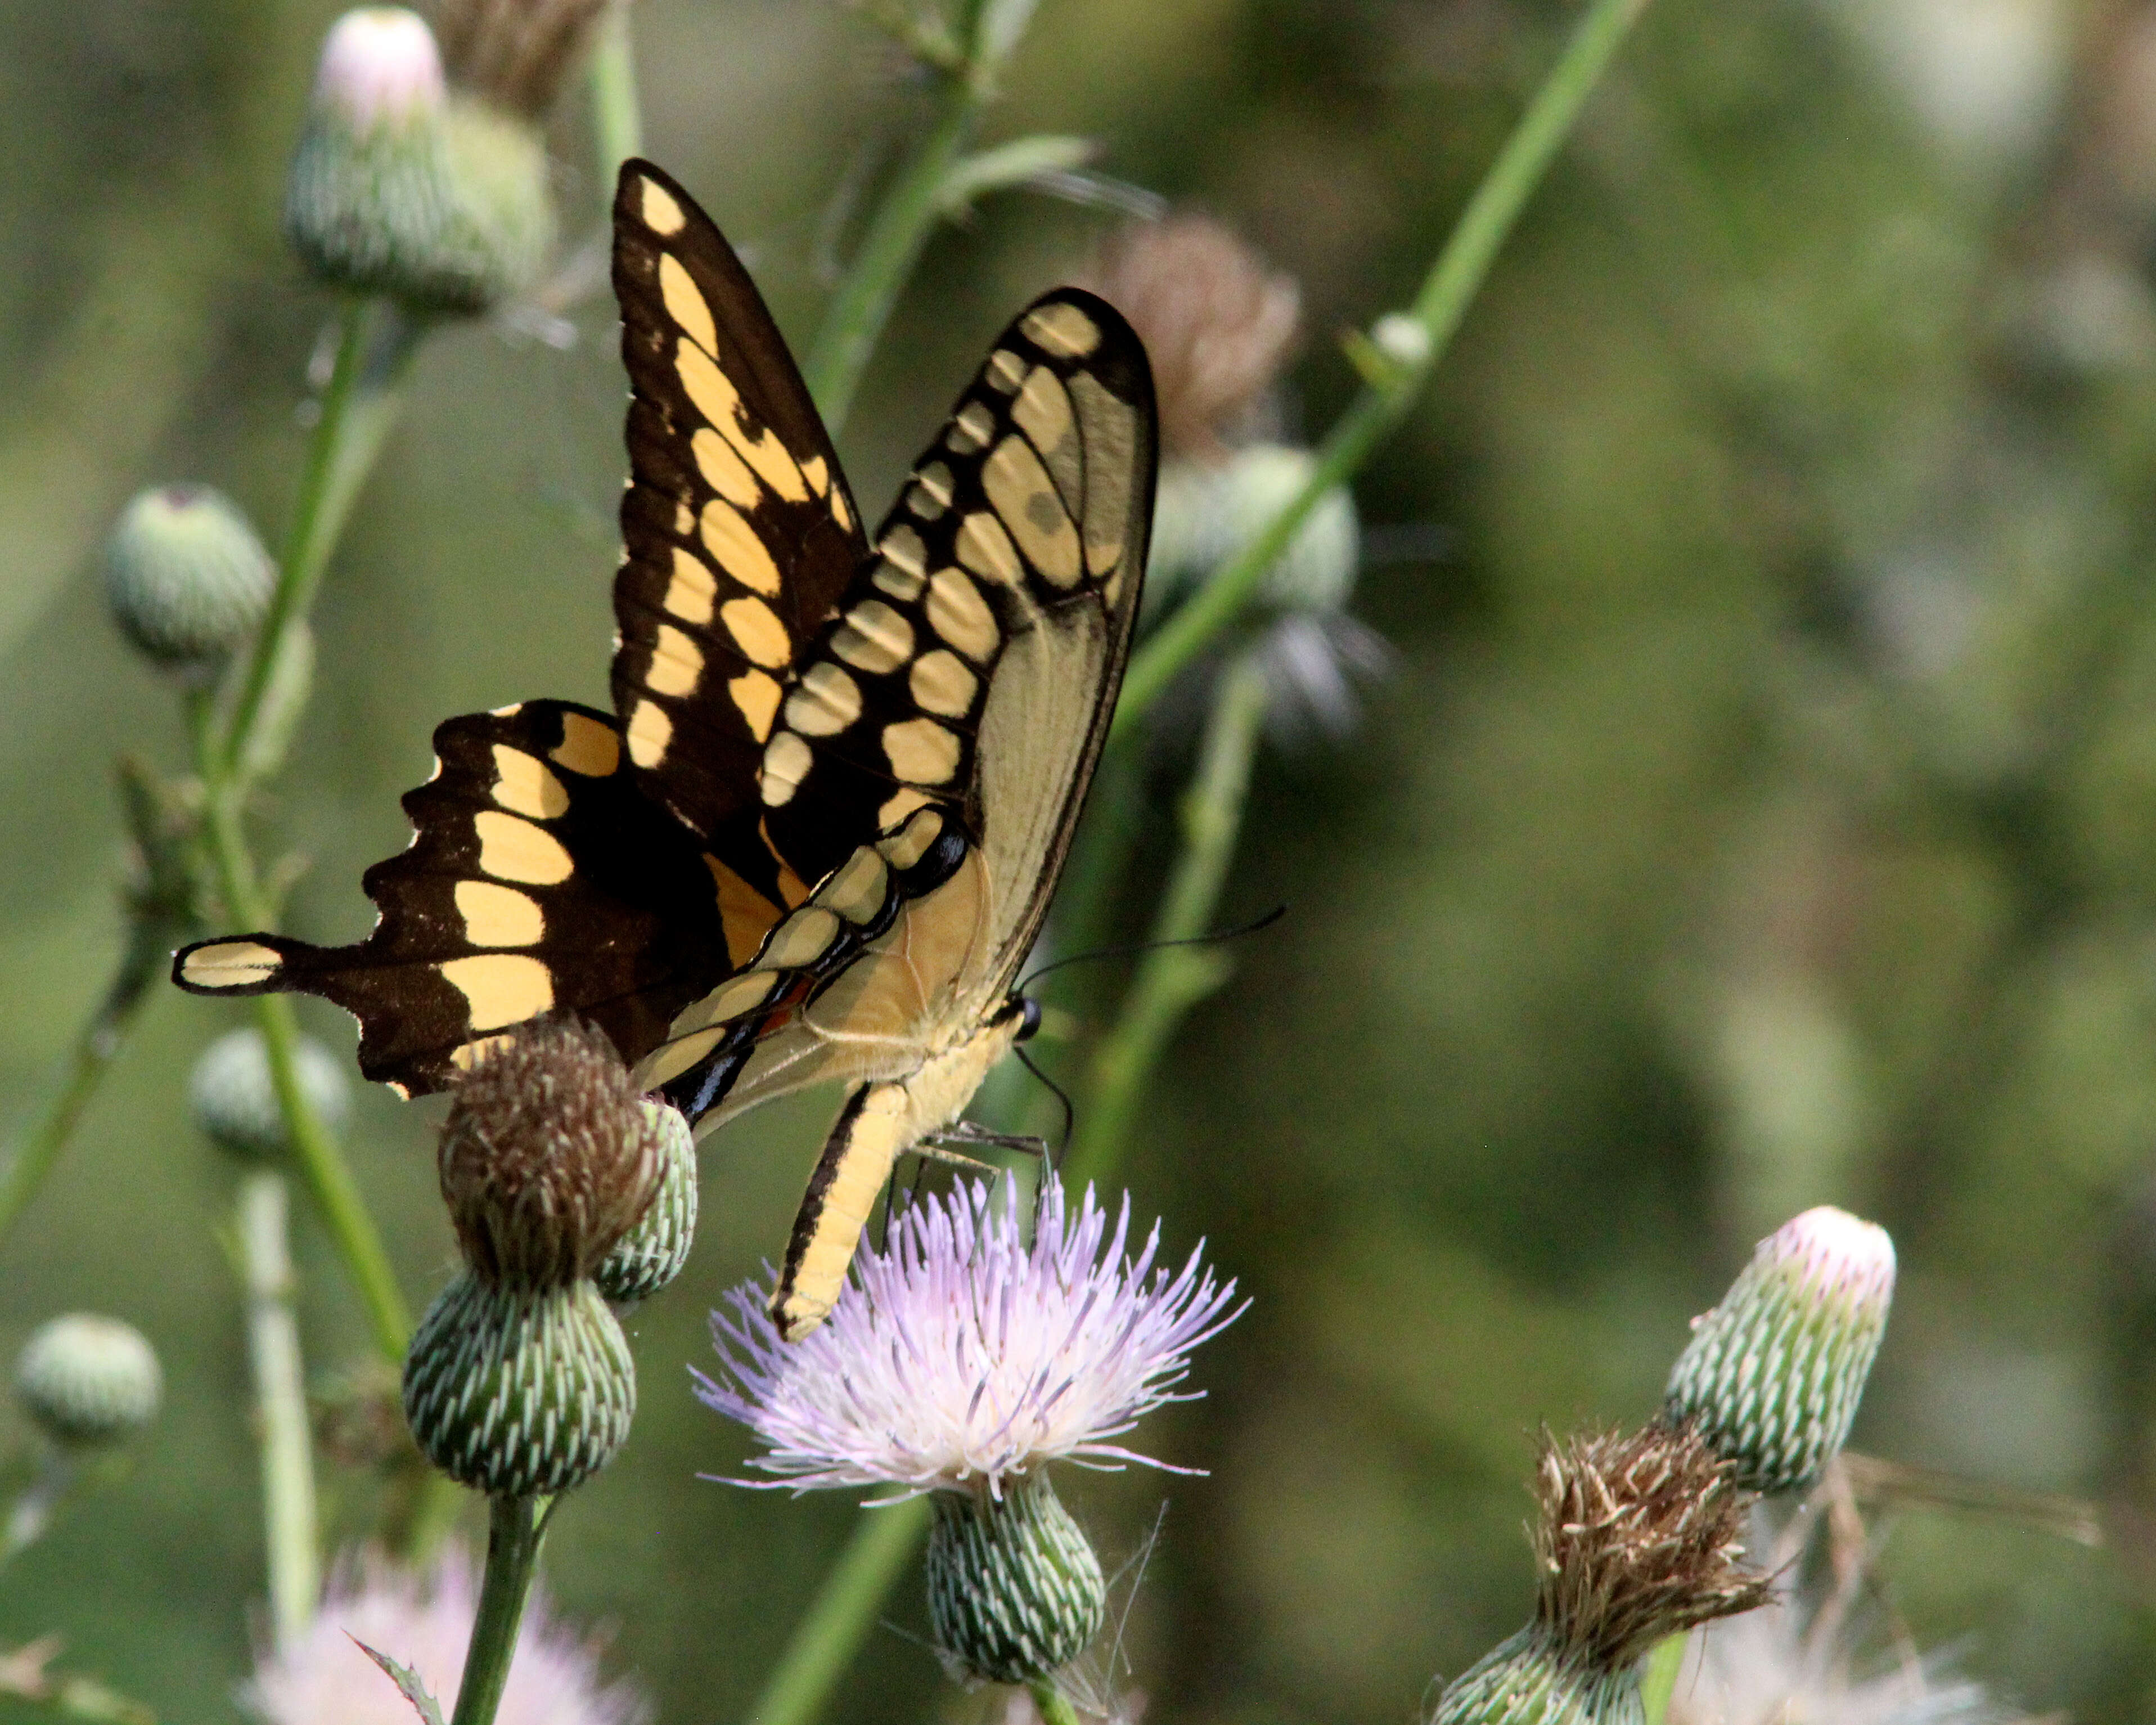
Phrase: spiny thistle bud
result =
(398, 189)
(517, 1392)
(1205, 515)
(1217, 324)
(186, 577)
(1636, 1538)
(234, 1102)
(652, 1253)
(1014, 1588)
(86, 1380)
(519, 1381)
(1772, 1376)
(548, 1157)
(515, 53)
(1533, 1680)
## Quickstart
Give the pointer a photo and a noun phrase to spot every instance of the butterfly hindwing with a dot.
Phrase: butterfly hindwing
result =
(738, 530)
(539, 879)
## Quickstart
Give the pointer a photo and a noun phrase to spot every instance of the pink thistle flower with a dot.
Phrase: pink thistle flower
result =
(423, 1623)
(961, 1357)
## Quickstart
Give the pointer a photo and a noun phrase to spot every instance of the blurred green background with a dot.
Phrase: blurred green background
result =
(1761, 811)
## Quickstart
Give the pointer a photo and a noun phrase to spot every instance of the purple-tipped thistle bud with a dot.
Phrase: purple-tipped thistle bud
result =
(85, 1381)
(186, 577)
(1015, 1590)
(400, 188)
(651, 1254)
(1636, 1538)
(1772, 1376)
(519, 1381)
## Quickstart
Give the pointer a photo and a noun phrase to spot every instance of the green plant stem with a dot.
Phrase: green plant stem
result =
(160, 915)
(514, 1530)
(1053, 1704)
(96, 1045)
(1446, 293)
(375, 344)
(280, 1400)
(330, 1184)
(896, 236)
(1658, 1676)
(830, 1634)
(1173, 979)
(617, 114)
(31, 1512)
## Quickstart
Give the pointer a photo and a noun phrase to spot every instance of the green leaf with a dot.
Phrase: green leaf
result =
(407, 1684)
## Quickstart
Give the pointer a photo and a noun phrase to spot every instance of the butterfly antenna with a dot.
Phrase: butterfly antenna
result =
(1069, 1113)
(1130, 948)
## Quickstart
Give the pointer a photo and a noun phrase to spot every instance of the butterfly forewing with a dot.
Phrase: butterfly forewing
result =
(739, 531)
(955, 707)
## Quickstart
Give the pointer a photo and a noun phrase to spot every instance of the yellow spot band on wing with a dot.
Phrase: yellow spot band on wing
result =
(523, 785)
(510, 849)
(501, 988)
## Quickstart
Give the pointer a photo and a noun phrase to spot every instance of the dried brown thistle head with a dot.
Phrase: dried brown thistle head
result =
(1216, 322)
(515, 52)
(547, 1157)
(1637, 1536)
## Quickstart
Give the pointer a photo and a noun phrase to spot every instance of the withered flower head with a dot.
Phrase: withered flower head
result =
(547, 1157)
(1637, 1536)
(1216, 322)
(515, 52)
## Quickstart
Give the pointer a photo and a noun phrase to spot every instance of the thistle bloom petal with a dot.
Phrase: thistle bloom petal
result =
(423, 1623)
(963, 1357)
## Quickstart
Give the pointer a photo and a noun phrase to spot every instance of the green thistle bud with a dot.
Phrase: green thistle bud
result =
(397, 188)
(519, 1381)
(86, 1380)
(1635, 1539)
(517, 1391)
(1533, 1680)
(1204, 514)
(1014, 1588)
(652, 1253)
(186, 577)
(234, 1102)
(1772, 1376)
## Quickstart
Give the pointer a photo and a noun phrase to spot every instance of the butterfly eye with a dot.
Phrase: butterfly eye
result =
(1029, 1018)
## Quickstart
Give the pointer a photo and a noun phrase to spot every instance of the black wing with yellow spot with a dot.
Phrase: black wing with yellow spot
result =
(540, 878)
(738, 533)
(818, 835)
(996, 612)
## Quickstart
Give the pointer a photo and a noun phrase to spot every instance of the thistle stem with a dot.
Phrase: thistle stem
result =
(280, 1398)
(617, 114)
(1446, 293)
(96, 1045)
(1053, 1705)
(32, 1513)
(838, 1619)
(896, 236)
(1173, 978)
(329, 1180)
(360, 402)
(1659, 1674)
(514, 1530)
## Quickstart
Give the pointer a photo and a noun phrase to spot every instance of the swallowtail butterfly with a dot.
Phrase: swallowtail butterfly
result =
(818, 831)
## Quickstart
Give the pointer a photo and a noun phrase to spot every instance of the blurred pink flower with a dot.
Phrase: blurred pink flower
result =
(423, 1622)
